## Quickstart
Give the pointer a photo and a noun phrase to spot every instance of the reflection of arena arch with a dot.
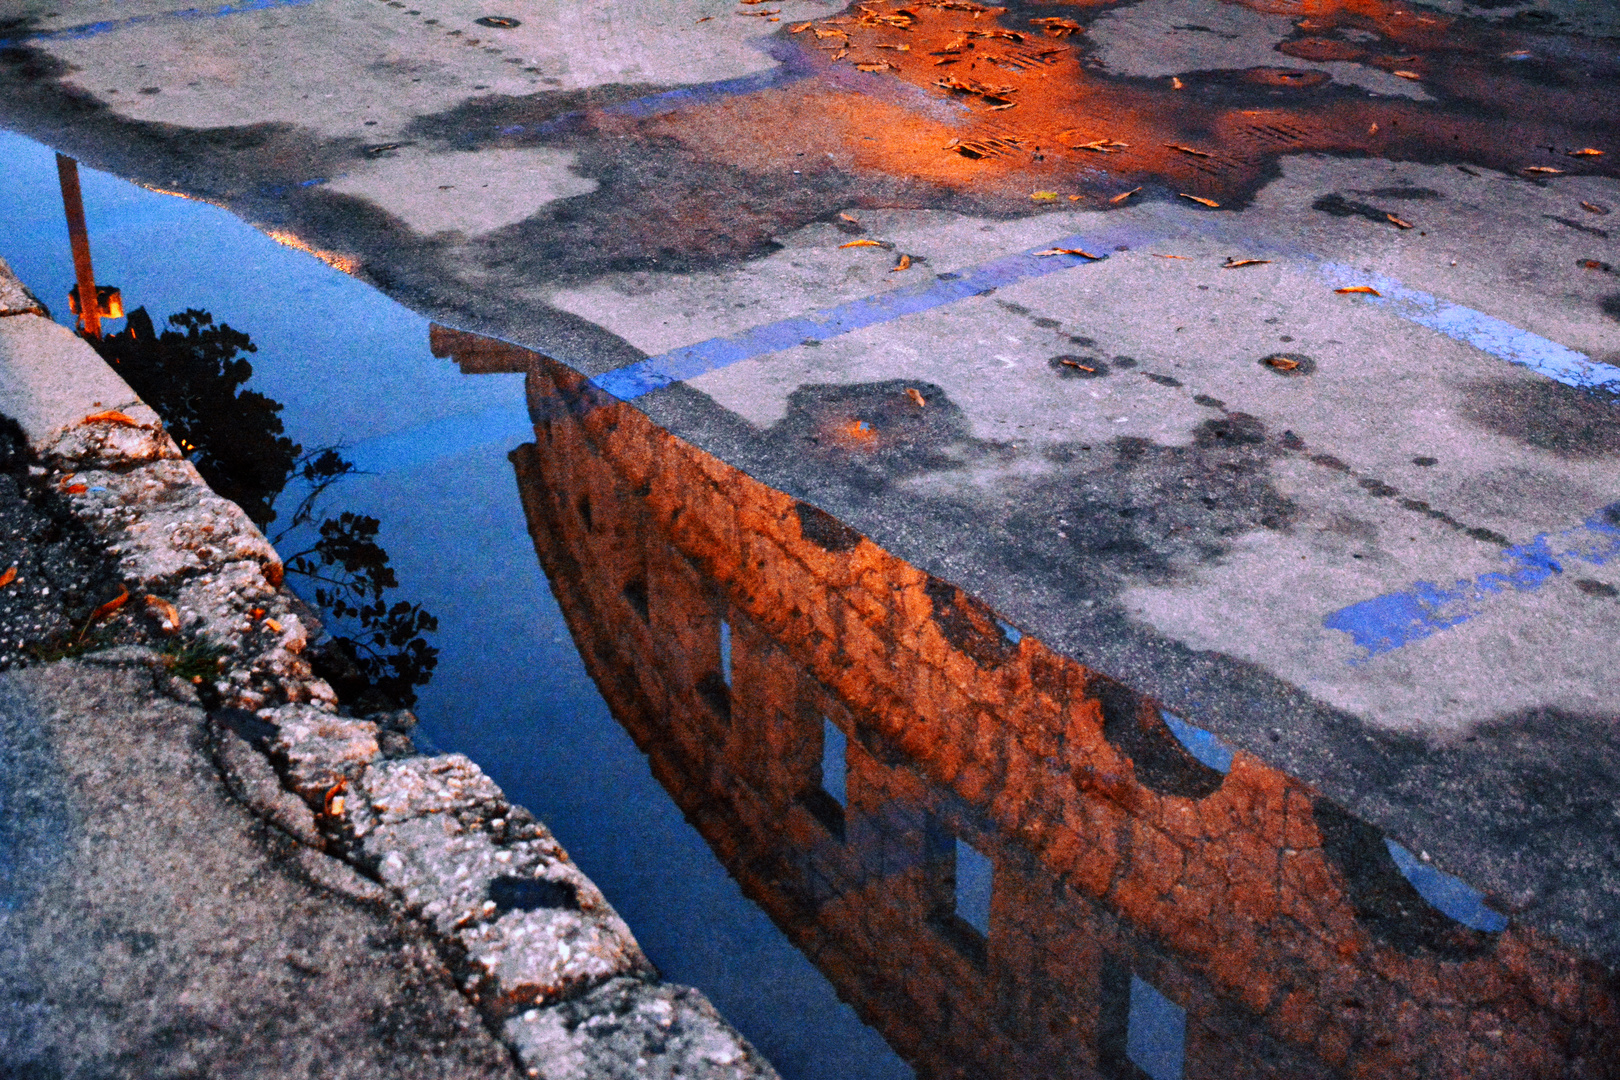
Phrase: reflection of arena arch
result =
(736, 633)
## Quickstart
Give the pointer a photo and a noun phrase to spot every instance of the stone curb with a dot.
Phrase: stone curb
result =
(531, 940)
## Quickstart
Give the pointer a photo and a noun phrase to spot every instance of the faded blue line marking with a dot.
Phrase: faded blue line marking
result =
(429, 442)
(656, 372)
(1201, 744)
(1386, 623)
(1446, 893)
(1484, 332)
(95, 29)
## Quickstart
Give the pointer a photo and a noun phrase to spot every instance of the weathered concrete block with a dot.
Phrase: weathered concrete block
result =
(415, 787)
(163, 521)
(317, 749)
(628, 1029)
(127, 436)
(534, 925)
(51, 380)
(15, 299)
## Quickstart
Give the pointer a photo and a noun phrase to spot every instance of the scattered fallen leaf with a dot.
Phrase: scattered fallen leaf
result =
(1043, 196)
(801, 28)
(76, 489)
(1397, 222)
(111, 416)
(1004, 105)
(1156, 255)
(1077, 364)
(1074, 198)
(825, 34)
(850, 218)
(1200, 200)
(1586, 151)
(1408, 75)
(1067, 251)
(1595, 208)
(333, 804)
(167, 614)
(1059, 27)
(109, 607)
(840, 54)
(1102, 146)
(759, 14)
(1368, 289)
(916, 397)
(1281, 363)
(1187, 149)
(1548, 169)
(903, 264)
(1122, 196)
(8, 577)
(274, 627)
(706, 18)
(861, 243)
(1175, 83)
(256, 613)
(875, 65)
(896, 48)
(1233, 264)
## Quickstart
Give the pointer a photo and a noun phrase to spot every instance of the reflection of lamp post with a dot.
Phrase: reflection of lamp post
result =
(104, 301)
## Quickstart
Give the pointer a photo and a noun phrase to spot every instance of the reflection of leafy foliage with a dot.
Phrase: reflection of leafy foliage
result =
(350, 571)
(192, 375)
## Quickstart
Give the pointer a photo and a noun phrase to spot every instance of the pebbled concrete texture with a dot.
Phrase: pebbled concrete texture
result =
(158, 928)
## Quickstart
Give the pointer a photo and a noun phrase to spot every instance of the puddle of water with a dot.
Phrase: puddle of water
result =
(354, 368)
(1009, 866)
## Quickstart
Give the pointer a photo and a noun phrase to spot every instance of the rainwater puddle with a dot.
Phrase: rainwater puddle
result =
(803, 747)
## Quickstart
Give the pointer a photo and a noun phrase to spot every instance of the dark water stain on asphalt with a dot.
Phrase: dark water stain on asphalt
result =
(1547, 415)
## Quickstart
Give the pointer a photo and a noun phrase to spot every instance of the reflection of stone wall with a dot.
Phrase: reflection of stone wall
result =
(1276, 920)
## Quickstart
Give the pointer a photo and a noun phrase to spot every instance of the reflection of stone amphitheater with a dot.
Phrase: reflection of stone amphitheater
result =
(739, 634)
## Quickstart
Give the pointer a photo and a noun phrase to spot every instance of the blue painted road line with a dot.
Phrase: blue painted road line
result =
(1386, 623)
(95, 29)
(1484, 332)
(656, 372)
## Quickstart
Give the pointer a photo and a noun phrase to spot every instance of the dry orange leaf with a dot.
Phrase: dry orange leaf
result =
(1156, 255)
(1102, 146)
(916, 397)
(1595, 208)
(861, 243)
(168, 616)
(1397, 222)
(1368, 289)
(111, 416)
(874, 65)
(274, 627)
(1233, 264)
(8, 577)
(1187, 149)
(1175, 83)
(1077, 364)
(109, 607)
(801, 28)
(850, 217)
(903, 264)
(1122, 196)
(1068, 251)
(1200, 200)
(1547, 169)
(1281, 363)
(896, 48)
(1074, 198)
(76, 489)
(1586, 151)
(1407, 74)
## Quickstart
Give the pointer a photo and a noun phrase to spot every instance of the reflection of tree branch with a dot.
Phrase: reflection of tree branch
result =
(192, 375)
